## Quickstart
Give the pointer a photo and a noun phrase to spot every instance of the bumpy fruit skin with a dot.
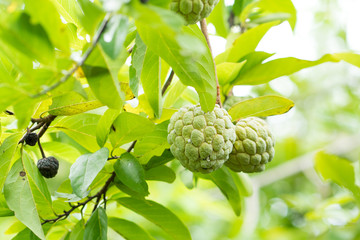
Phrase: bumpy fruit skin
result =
(201, 141)
(48, 167)
(31, 139)
(193, 10)
(253, 148)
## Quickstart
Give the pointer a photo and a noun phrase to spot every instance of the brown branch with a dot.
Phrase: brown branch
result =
(203, 26)
(82, 60)
(168, 82)
(98, 196)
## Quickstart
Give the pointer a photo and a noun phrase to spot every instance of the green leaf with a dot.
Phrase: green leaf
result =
(338, 170)
(131, 173)
(263, 73)
(128, 230)
(184, 49)
(21, 200)
(151, 81)
(4, 208)
(245, 44)
(73, 103)
(227, 185)
(23, 110)
(279, 6)
(228, 71)
(219, 18)
(129, 127)
(61, 150)
(159, 215)
(96, 226)
(160, 173)
(7, 152)
(174, 92)
(112, 39)
(38, 187)
(261, 107)
(103, 127)
(243, 182)
(85, 169)
(77, 233)
(103, 86)
(137, 61)
(156, 161)
(17, 30)
(152, 144)
(81, 128)
(9, 96)
(90, 15)
(45, 13)
(68, 9)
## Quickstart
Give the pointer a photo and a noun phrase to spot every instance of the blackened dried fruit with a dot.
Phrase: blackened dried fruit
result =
(48, 167)
(31, 139)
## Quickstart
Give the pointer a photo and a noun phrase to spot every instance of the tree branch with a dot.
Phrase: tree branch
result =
(168, 82)
(82, 60)
(203, 26)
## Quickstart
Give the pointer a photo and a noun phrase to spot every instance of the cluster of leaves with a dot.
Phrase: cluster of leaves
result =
(80, 63)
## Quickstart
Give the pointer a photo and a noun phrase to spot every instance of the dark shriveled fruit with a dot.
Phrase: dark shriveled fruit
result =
(31, 139)
(48, 167)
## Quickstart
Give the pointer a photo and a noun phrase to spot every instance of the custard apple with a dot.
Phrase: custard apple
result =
(193, 10)
(253, 148)
(201, 141)
(31, 139)
(48, 167)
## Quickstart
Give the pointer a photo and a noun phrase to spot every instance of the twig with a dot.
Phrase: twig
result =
(41, 149)
(82, 60)
(98, 196)
(9, 112)
(203, 26)
(168, 82)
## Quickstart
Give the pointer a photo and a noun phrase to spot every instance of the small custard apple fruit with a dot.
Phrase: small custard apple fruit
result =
(31, 138)
(48, 167)
(201, 141)
(193, 10)
(253, 148)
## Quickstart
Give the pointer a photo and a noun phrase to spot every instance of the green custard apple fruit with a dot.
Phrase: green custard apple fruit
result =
(201, 141)
(253, 148)
(48, 167)
(193, 10)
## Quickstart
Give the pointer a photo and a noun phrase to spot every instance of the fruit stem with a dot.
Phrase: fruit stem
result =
(41, 149)
(203, 26)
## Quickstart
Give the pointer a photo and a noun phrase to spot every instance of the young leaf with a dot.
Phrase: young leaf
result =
(227, 185)
(245, 44)
(338, 170)
(156, 161)
(129, 127)
(77, 233)
(185, 50)
(137, 61)
(228, 71)
(7, 152)
(85, 169)
(96, 226)
(112, 39)
(219, 18)
(103, 127)
(21, 200)
(128, 230)
(90, 15)
(131, 173)
(261, 107)
(4, 208)
(159, 215)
